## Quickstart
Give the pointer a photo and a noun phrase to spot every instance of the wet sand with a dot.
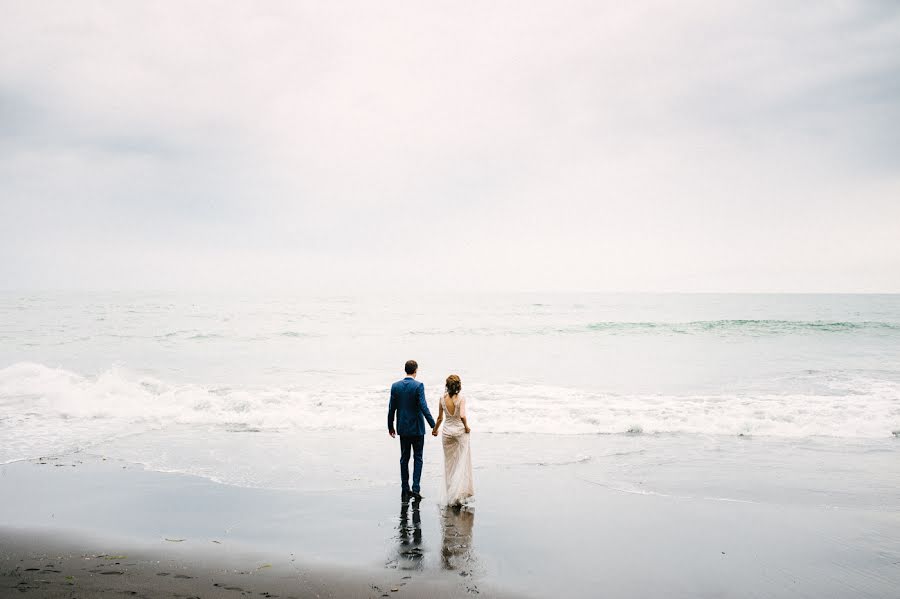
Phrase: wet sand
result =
(639, 517)
(45, 564)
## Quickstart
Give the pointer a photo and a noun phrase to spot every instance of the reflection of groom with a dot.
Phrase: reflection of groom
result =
(409, 551)
(408, 401)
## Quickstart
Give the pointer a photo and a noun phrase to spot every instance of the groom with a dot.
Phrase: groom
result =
(408, 401)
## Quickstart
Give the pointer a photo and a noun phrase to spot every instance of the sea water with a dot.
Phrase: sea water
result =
(224, 385)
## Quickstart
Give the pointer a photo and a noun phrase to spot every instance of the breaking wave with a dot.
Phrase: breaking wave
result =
(45, 410)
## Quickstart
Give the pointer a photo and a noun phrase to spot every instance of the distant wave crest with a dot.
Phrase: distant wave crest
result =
(695, 327)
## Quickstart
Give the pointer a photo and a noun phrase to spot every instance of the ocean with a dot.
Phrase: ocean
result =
(220, 386)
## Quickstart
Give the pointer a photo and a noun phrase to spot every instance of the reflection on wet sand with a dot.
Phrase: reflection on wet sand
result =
(456, 542)
(409, 538)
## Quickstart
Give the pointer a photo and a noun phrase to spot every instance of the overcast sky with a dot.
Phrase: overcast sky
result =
(609, 146)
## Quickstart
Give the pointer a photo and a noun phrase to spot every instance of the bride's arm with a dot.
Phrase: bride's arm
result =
(462, 413)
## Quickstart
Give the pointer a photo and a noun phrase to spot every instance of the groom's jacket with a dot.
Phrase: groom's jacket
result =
(408, 401)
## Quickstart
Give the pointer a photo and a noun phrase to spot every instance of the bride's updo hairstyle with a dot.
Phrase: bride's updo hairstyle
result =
(454, 385)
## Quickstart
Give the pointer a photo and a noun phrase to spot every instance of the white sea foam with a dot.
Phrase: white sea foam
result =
(45, 410)
(631, 489)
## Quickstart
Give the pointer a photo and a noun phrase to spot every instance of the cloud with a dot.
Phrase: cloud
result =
(589, 146)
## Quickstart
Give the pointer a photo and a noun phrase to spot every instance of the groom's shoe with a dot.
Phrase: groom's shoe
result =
(415, 496)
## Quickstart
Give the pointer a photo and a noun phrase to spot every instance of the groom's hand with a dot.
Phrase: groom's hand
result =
(434, 432)
(392, 434)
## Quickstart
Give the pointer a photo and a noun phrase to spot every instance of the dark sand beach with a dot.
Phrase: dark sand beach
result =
(45, 564)
(732, 518)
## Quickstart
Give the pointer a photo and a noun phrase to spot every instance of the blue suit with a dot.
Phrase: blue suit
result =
(408, 402)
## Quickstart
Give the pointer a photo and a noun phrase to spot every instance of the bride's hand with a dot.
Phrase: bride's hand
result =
(468, 430)
(434, 432)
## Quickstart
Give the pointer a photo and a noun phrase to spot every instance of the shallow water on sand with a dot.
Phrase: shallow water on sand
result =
(821, 472)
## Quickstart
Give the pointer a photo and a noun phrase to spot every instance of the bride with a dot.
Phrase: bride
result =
(457, 458)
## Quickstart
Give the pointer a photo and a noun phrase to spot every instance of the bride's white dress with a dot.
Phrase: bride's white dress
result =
(457, 457)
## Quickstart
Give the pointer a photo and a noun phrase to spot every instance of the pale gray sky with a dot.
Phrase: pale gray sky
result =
(631, 146)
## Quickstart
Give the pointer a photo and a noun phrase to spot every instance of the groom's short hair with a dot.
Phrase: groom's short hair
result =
(411, 366)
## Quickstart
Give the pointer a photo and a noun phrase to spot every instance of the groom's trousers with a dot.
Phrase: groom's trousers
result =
(417, 444)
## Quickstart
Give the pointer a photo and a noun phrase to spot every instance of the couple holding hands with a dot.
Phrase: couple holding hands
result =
(411, 409)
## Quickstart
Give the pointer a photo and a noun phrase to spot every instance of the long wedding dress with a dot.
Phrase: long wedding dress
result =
(457, 457)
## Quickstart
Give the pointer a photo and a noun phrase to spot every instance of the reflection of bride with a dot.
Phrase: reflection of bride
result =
(458, 485)
(456, 544)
